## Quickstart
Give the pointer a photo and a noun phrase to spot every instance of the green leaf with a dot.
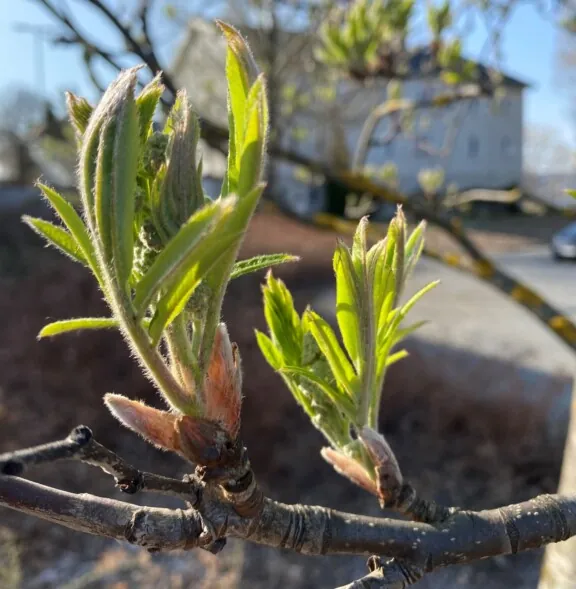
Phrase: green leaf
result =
(211, 260)
(571, 192)
(181, 192)
(100, 124)
(253, 150)
(384, 357)
(341, 401)
(359, 245)
(241, 73)
(104, 187)
(414, 248)
(389, 326)
(199, 262)
(68, 325)
(237, 224)
(146, 103)
(382, 281)
(174, 259)
(79, 112)
(282, 319)
(126, 153)
(230, 180)
(269, 350)
(393, 358)
(348, 297)
(58, 237)
(328, 344)
(415, 298)
(74, 224)
(260, 263)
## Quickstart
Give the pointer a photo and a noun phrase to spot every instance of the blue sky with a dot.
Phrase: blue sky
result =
(529, 52)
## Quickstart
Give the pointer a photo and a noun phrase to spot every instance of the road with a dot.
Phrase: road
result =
(467, 314)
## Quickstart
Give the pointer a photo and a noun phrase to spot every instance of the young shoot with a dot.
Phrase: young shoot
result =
(338, 381)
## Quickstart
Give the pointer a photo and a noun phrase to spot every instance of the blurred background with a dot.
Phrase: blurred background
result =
(463, 109)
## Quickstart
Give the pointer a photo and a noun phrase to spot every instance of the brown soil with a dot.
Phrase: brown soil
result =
(468, 453)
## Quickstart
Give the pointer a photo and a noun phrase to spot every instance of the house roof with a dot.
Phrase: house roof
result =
(421, 61)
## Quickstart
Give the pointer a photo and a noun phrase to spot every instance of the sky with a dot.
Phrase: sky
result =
(529, 52)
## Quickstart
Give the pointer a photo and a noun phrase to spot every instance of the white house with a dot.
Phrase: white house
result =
(477, 143)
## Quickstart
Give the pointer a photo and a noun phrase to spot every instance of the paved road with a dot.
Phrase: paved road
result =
(556, 280)
(468, 314)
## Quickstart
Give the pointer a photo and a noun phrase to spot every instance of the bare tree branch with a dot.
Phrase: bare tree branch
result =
(155, 529)
(81, 445)
(418, 547)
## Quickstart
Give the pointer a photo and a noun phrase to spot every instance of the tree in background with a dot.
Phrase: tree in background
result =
(22, 112)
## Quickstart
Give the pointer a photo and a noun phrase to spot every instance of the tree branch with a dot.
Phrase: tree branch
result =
(81, 445)
(463, 537)
(155, 529)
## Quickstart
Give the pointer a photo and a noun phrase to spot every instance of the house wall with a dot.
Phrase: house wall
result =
(477, 142)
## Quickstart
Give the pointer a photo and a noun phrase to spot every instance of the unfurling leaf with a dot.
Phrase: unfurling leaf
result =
(223, 383)
(177, 256)
(146, 103)
(74, 224)
(283, 321)
(252, 149)
(241, 74)
(182, 185)
(348, 299)
(388, 475)
(79, 111)
(269, 350)
(328, 344)
(115, 203)
(68, 325)
(155, 426)
(211, 260)
(58, 237)
(340, 400)
(108, 170)
(260, 263)
(349, 468)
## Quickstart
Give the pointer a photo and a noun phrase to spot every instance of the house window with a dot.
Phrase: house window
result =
(473, 146)
(506, 146)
